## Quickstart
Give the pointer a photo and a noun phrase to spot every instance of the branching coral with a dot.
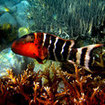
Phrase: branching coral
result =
(52, 87)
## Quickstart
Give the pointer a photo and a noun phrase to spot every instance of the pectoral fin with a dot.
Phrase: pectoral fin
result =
(39, 60)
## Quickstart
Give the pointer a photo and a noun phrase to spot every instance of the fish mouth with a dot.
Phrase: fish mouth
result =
(13, 45)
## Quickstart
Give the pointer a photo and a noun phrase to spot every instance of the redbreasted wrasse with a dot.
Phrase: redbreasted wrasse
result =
(43, 46)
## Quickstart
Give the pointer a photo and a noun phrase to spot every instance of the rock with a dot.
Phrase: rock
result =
(10, 60)
(10, 4)
(21, 13)
(7, 18)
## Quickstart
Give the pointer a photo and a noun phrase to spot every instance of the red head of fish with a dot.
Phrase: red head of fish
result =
(29, 45)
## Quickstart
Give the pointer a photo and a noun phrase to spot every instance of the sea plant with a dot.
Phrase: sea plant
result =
(52, 87)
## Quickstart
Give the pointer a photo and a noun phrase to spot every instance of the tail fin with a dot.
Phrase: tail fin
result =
(84, 56)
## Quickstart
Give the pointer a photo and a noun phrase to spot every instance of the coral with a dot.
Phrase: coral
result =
(52, 87)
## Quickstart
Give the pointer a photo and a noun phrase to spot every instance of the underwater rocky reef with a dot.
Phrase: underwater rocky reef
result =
(25, 82)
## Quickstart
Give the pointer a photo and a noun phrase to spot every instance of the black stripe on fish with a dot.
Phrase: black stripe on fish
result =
(91, 59)
(47, 40)
(51, 47)
(56, 41)
(58, 49)
(72, 54)
(82, 58)
(66, 50)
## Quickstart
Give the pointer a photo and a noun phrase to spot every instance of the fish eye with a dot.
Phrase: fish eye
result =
(32, 37)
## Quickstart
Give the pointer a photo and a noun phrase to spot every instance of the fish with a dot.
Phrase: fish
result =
(41, 46)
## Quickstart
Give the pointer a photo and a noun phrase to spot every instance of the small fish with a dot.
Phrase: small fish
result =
(41, 46)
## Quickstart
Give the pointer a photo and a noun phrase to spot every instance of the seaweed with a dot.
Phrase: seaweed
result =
(70, 19)
(52, 87)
